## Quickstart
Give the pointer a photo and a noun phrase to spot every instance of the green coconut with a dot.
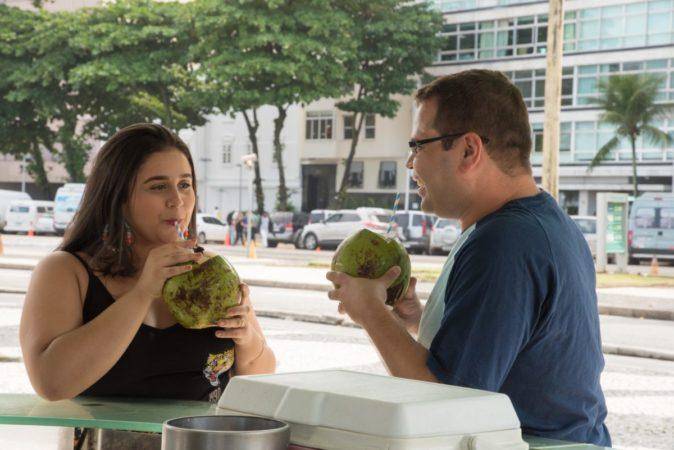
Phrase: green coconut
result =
(199, 298)
(366, 254)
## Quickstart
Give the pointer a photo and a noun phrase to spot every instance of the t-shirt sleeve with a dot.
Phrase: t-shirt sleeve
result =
(493, 300)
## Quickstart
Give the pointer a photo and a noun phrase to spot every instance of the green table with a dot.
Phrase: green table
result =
(146, 415)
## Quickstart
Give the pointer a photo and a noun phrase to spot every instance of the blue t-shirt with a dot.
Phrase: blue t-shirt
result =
(521, 318)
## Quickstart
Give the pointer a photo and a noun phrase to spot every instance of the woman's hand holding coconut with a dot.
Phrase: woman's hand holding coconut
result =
(164, 262)
(241, 325)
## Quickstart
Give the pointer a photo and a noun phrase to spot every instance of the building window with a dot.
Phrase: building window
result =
(608, 27)
(355, 178)
(369, 126)
(589, 77)
(531, 84)
(537, 130)
(348, 127)
(387, 174)
(319, 125)
(227, 153)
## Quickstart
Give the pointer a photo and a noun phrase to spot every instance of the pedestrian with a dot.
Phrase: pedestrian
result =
(515, 308)
(94, 322)
(264, 228)
(230, 226)
(238, 227)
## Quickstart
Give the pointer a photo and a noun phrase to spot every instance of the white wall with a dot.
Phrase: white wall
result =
(219, 183)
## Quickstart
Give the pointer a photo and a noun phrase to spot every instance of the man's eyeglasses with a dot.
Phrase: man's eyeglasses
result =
(416, 145)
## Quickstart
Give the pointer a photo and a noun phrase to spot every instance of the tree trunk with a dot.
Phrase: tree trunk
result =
(633, 141)
(36, 169)
(74, 151)
(340, 197)
(278, 157)
(167, 106)
(253, 124)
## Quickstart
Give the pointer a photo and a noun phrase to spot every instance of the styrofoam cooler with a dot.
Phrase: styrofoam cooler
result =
(338, 410)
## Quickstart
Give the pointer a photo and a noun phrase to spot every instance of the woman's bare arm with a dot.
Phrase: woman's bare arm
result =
(63, 357)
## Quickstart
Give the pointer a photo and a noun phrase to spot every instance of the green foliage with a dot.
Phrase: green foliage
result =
(271, 52)
(25, 101)
(137, 67)
(395, 41)
(630, 104)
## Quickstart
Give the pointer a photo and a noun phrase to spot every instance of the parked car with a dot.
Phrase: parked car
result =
(210, 228)
(345, 222)
(6, 197)
(415, 229)
(443, 236)
(588, 226)
(651, 227)
(317, 215)
(67, 202)
(286, 228)
(30, 215)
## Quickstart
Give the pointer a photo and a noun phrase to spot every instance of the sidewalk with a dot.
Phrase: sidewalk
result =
(646, 303)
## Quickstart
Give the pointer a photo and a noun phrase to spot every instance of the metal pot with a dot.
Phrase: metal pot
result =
(225, 433)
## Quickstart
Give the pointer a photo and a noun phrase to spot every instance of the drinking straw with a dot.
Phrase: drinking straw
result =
(393, 214)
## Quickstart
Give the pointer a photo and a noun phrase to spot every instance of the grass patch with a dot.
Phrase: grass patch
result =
(607, 280)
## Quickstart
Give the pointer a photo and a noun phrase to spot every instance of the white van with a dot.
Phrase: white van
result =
(6, 197)
(66, 204)
(30, 215)
(651, 227)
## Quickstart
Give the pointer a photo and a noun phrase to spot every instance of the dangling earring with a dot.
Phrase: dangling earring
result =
(128, 235)
(106, 234)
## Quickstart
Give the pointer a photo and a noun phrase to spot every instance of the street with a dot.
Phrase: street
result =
(639, 391)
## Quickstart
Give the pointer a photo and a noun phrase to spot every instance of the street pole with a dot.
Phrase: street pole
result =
(250, 208)
(407, 189)
(553, 98)
(249, 160)
(240, 176)
(204, 188)
(23, 173)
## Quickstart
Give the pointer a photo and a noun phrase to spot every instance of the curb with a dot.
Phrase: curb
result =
(638, 352)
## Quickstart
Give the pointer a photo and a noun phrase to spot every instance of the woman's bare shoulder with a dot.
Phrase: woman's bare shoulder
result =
(60, 268)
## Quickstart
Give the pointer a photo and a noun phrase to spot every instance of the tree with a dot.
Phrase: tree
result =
(630, 104)
(308, 48)
(24, 114)
(137, 67)
(396, 40)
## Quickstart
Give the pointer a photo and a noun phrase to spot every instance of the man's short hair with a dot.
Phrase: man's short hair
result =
(488, 104)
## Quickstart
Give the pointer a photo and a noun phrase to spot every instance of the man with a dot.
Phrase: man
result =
(514, 309)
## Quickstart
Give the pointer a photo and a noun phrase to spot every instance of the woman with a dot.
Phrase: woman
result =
(94, 322)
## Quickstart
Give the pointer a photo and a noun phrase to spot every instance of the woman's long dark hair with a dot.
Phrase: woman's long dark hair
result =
(108, 188)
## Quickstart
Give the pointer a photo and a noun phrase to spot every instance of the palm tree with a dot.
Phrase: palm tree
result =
(629, 104)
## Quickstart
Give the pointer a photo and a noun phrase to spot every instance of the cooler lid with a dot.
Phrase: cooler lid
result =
(370, 404)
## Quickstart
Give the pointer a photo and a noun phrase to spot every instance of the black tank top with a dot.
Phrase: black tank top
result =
(173, 362)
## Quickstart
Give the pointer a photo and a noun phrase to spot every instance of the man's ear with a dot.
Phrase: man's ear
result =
(473, 151)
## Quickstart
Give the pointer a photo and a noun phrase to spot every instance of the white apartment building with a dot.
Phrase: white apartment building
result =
(601, 38)
(223, 181)
(378, 170)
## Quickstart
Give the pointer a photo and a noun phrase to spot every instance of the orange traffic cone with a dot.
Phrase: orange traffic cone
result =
(251, 250)
(31, 232)
(2, 247)
(227, 240)
(318, 248)
(655, 268)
